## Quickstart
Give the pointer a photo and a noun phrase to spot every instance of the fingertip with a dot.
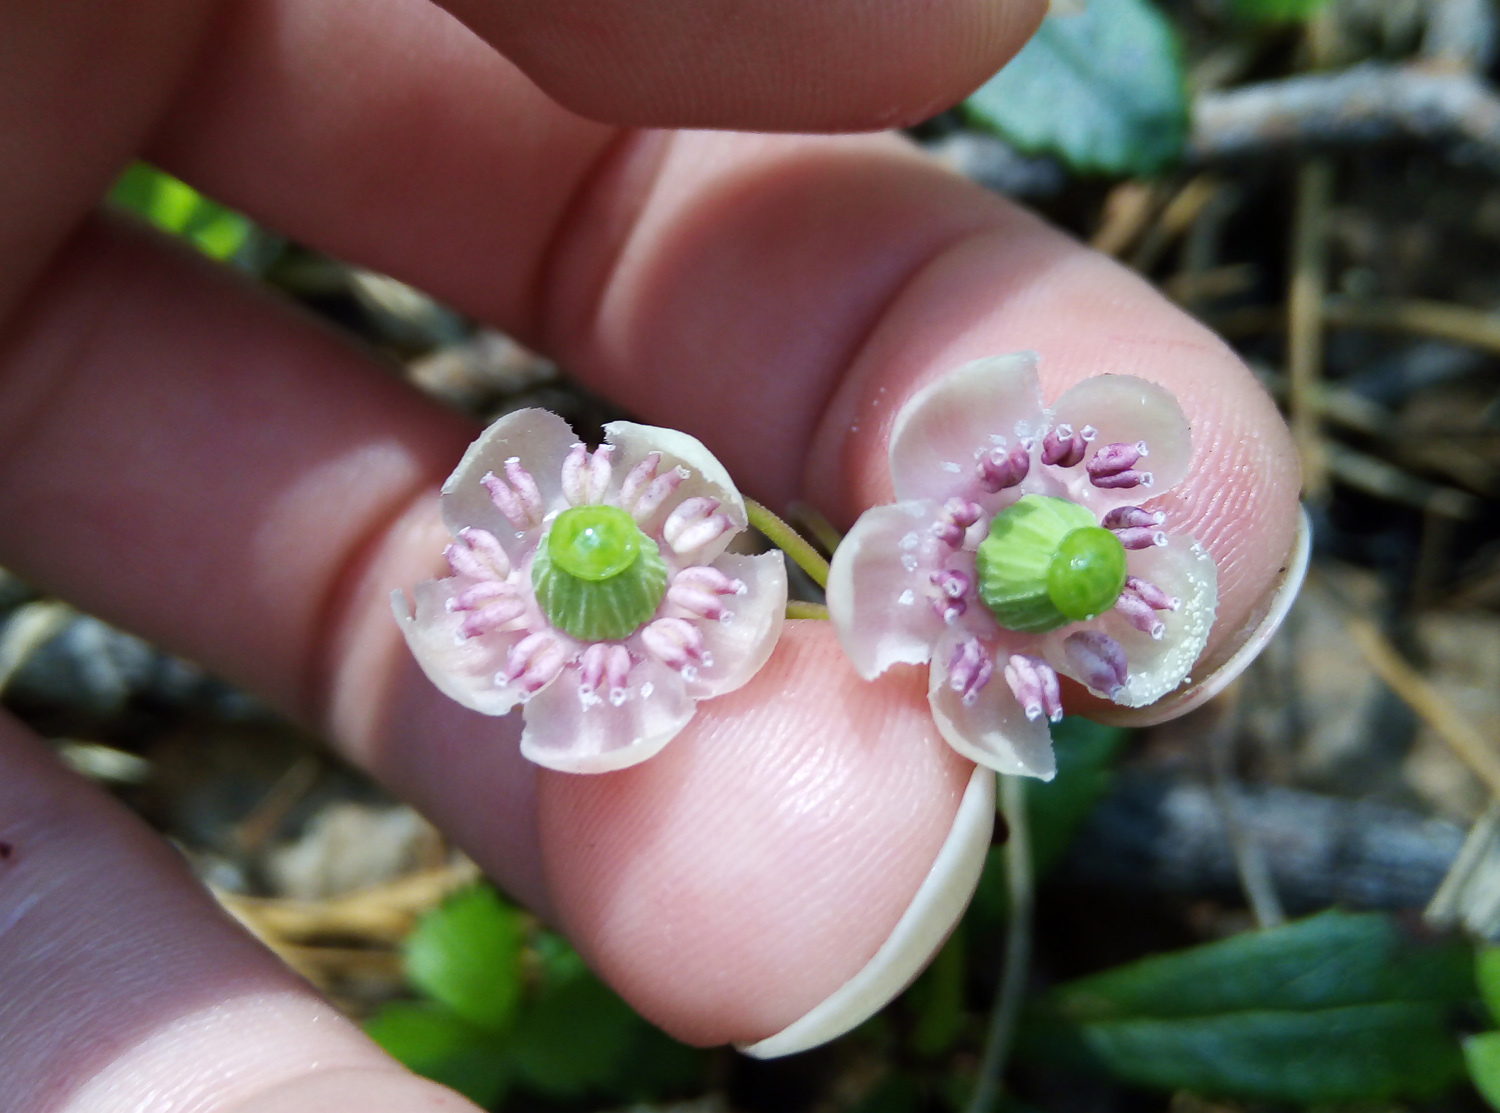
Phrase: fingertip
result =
(842, 65)
(734, 882)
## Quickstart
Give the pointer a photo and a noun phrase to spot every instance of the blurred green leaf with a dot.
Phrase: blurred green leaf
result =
(937, 998)
(1482, 1054)
(1335, 1007)
(1363, 1053)
(1086, 754)
(467, 954)
(1487, 974)
(1276, 11)
(1103, 90)
(438, 1044)
(176, 207)
(580, 1038)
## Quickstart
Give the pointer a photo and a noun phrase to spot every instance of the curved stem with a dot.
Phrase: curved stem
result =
(1012, 990)
(789, 541)
(797, 608)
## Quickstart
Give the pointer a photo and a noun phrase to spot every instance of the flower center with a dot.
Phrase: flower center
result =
(1046, 563)
(597, 576)
(594, 542)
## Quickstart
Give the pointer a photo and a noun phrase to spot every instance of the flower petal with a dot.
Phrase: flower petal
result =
(1125, 410)
(708, 478)
(943, 428)
(738, 645)
(463, 669)
(572, 732)
(1183, 569)
(879, 584)
(541, 439)
(993, 730)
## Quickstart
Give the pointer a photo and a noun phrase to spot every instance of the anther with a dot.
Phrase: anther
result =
(707, 578)
(478, 554)
(1153, 596)
(535, 661)
(658, 492)
(525, 488)
(694, 524)
(591, 667)
(675, 642)
(1099, 659)
(952, 583)
(1035, 686)
(969, 670)
(492, 616)
(999, 469)
(1063, 448)
(1139, 614)
(638, 479)
(1113, 466)
(508, 502)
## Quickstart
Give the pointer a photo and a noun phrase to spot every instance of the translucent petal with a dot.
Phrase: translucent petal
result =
(993, 730)
(572, 732)
(1124, 410)
(541, 440)
(943, 428)
(879, 587)
(633, 443)
(738, 647)
(1180, 568)
(463, 669)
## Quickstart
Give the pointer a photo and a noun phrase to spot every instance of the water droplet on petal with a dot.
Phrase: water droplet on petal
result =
(907, 598)
(909, 562)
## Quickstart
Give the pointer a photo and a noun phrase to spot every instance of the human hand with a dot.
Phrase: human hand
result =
(194, 461)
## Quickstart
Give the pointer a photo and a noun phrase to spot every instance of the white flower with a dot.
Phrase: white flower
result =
(594, 588)
(1019, 550)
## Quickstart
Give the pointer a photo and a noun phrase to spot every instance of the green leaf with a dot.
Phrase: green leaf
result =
(467, 954)
(437, 1044)
(1487, 974)
(937, 998)
(1482, 1055)
(174, 206)
(1276, 11)
(1103, 90)
(1364, 1053)
(1335, 1007)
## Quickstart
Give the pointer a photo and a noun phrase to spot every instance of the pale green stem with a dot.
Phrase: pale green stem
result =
(811, 519)
(797, 608)
(789, 541)
(1017, 970)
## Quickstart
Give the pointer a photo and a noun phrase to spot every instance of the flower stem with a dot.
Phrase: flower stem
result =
(789, 541)
(811, 519)
(1017, 947)
(796, 608)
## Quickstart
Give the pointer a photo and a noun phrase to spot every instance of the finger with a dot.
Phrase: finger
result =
(832, 66)
(126, 987)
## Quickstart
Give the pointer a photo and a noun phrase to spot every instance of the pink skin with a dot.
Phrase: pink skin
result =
(673, 273)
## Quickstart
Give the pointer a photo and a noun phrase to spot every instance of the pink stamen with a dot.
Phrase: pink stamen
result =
(999, 469)
(478, 555)
(950, 610)
(1113, 466)
(1035, 686)
(696, 601)
(1139, 537)
(961, 512)
(600, 472)
(1132, 517)
(660, 490)
(1063, 448)
(694, 524)
(952, 583)
(507, 502)
(1100, 659)
(492, 616)
(638, 479)
(1153, 596)
(969, 670)
(591, 667)
(706, 578)
(675, 642)
(525, 487)
(1139, 614)
(575, 480)
(487, 591)
(535, 662)
(617, 673)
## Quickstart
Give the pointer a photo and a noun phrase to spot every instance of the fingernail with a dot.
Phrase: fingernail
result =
(1279, 602)
(922, 929)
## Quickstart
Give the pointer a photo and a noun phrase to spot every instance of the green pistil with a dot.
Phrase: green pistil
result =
(597, 576)
(1047, 563)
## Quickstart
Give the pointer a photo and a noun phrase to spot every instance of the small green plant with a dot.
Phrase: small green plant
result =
(506, 1007)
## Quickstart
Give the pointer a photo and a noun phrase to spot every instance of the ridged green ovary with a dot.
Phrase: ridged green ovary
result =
(1047, 563)
(624, 577)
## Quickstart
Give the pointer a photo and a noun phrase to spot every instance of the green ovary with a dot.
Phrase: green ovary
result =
(1047, 563)
(597, 576)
